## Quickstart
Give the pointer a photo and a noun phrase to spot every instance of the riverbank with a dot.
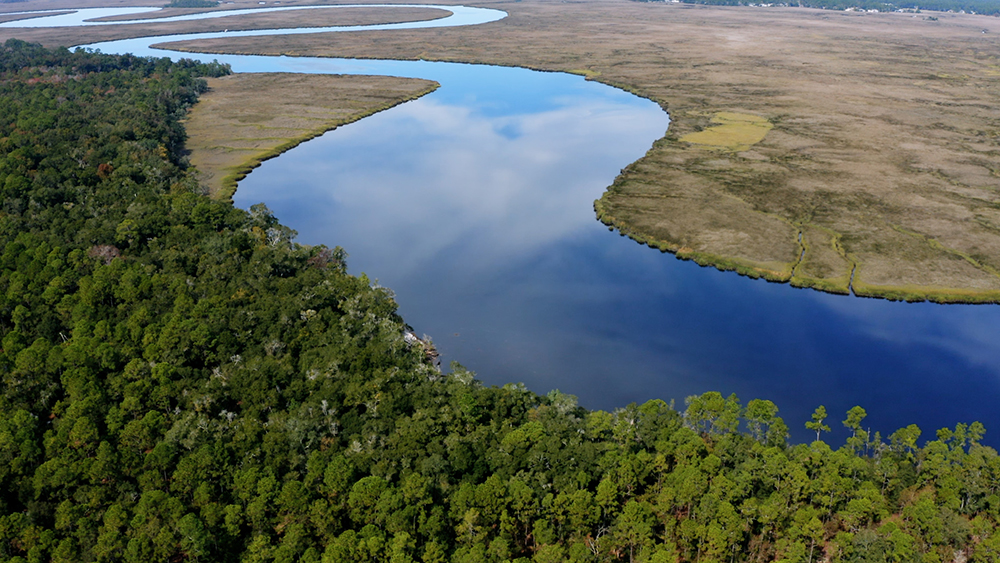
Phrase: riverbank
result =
(245, 119)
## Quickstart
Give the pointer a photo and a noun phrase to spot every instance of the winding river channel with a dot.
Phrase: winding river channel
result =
(474, 204)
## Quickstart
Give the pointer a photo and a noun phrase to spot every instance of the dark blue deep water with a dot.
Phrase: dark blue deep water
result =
(474, 204)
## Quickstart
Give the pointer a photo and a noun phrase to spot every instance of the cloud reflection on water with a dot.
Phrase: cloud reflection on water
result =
(475, 185)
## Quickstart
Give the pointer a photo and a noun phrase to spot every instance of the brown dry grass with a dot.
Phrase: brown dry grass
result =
(9, 17)
(884, 154)
(247, 118)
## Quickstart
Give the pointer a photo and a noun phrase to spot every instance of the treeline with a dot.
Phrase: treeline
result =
(181, 381)
(192, 4)
(985, 7)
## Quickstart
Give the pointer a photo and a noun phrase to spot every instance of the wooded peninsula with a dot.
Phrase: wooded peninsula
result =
(182, 381)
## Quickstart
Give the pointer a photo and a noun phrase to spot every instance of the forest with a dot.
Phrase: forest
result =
(182, 381)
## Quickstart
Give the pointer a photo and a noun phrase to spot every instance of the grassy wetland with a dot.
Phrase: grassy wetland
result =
(866, 157)
(59, 37)
(879, 164)
(245, 119)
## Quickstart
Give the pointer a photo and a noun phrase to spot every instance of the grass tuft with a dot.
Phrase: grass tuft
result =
(734, 132)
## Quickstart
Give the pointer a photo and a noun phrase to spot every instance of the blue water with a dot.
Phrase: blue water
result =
(474, 205)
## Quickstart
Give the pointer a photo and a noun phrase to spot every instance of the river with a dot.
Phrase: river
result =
(474, 204)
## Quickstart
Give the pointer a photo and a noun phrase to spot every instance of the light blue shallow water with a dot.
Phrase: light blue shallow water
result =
(474, 204)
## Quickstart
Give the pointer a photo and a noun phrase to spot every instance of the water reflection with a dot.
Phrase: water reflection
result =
(511, 184)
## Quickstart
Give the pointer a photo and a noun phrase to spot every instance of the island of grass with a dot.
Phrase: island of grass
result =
(244, 119)
(877, 171)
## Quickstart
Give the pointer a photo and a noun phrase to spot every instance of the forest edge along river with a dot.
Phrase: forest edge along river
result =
(473, 204)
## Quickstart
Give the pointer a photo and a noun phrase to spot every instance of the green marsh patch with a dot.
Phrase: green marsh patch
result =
(735, 132)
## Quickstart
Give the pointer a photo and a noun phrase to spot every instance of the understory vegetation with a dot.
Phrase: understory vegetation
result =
(181, 381)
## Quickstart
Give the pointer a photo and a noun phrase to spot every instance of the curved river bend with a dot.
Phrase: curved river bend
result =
(474, 204)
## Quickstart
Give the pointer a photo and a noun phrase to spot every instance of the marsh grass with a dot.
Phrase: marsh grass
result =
(147, 25)
(835, 125)
(246, 119)
(733, 132)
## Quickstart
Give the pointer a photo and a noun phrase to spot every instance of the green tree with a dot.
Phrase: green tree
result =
(818, 416)
(859, 437)
(634, 529)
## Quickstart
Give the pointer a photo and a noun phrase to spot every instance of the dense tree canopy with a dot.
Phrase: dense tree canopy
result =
(193, 4)
(182, 381)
